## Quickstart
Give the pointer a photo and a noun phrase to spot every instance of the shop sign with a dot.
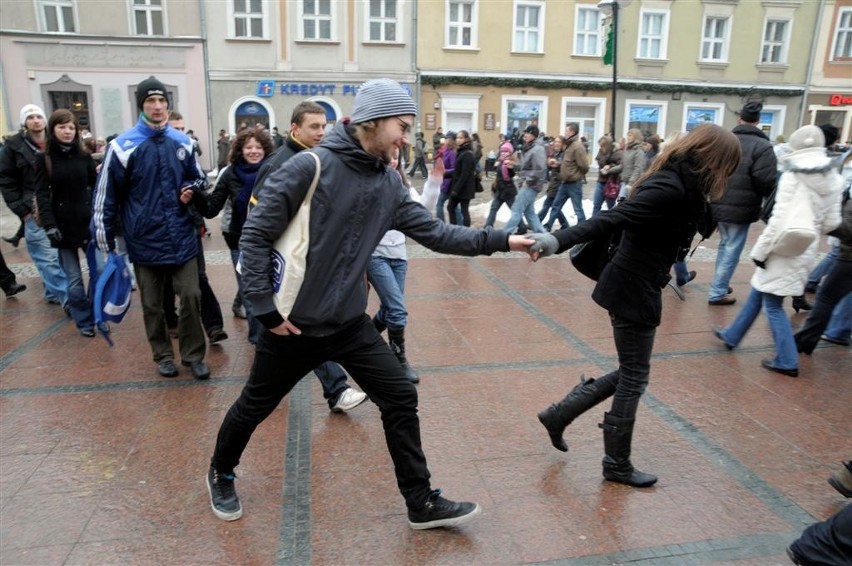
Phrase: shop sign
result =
(268, 88)
(839, 99)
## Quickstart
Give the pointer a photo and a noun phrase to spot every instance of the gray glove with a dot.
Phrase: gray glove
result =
(545, 244)
(54, 235)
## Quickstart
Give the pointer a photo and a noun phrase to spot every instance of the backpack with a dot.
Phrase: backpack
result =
(796, 231)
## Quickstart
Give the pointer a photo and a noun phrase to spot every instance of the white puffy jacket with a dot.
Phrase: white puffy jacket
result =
(812, 170)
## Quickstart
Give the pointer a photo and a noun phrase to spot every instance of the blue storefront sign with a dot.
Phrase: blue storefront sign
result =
(265, 88)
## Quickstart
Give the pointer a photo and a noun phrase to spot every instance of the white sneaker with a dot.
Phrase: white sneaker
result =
(349, 399)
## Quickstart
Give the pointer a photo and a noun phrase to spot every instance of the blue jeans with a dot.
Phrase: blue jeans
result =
(78, 301)
(731, 244)
(574, 191)
(441, 204)
(599, 199)
(46, 260)
(496, 203)
(681, 272)
(547, 207)
(822, 268)
(786, 356)
(524, 207)
(840, 325)
(387, 276)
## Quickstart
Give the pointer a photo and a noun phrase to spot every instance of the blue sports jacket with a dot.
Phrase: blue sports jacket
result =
(138, 196)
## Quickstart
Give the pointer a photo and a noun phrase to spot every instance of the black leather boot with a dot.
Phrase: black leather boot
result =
(801, 303)
(584, 396)
(618, 435)
(396, 340)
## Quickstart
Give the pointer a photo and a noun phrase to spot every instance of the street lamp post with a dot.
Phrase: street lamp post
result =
(608, 7)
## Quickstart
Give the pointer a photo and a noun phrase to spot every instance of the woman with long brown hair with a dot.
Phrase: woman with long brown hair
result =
(657, 223)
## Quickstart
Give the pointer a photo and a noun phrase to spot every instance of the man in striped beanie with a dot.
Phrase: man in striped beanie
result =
(360, 198)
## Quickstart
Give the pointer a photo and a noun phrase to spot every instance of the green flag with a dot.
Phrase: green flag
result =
(607, 58)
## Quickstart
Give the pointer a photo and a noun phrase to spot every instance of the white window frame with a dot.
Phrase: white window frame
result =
(473, 25)
(845, 32)
(542, 117)
(719, 110)
(663, 37)
(233, 15)
(148, 8)
(461, 104)
(783, 46)
(587, 36)
(600, 118)
(661, 123)
(711, 42)
(382, 20)
(57, 6)
(331, 18)
(777, 127)
(526, 30)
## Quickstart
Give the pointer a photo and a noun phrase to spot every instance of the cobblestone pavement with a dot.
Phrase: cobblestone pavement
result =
(102, 461)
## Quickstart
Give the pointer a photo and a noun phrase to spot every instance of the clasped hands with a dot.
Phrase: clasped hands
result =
(536, 245)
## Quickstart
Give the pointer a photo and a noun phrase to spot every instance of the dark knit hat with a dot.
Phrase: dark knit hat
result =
(150, 87)
(381, 98)
(532, 130)
(831, 133)
(751, 112)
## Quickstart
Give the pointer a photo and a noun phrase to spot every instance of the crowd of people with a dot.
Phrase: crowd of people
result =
(147, 197)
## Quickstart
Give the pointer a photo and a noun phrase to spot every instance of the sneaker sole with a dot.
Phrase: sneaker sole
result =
(450, 522)
(221, 514)
(343, 408)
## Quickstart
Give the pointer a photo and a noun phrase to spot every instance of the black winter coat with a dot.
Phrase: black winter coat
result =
(65, 199)
(463, 185)
(655, 222)
(753, 180)
(21, 170)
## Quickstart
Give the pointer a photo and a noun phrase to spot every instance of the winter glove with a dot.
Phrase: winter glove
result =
(760, 264)
(545, 244)
(54, 235)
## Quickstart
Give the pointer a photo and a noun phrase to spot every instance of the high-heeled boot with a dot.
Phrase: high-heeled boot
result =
(800, 303)
(584, 396)
(618, 436)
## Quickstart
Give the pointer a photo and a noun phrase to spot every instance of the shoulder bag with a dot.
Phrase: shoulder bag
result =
(290, 252)
(590, 258)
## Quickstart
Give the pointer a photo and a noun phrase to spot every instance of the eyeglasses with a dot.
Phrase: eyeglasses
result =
(406, 127)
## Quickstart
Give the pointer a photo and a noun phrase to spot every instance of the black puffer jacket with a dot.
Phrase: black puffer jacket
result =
(65, 200)
(753, 180)
(21, 169)
(463, 186)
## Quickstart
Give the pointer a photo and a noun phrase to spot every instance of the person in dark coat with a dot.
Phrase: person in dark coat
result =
(753, 180)
(657, 222)
(463, 184)
(65, 208)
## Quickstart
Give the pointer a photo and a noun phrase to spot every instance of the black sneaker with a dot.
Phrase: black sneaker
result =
(440, 512)
(223, 496)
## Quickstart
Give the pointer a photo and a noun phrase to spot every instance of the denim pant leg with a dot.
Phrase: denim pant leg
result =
(598, 199)
(496, 203)
(78, 300)
(525, 205)
(786, 356)
(731, 243)
(517, 208)
(681, 271)
(734, 333)
(634, 343)
(823, 267)
(332, 378)
(545, 207)
(440, 204)
(558, 203)
(387, 276)
(840, 325)
(46, 260)
(575, 191)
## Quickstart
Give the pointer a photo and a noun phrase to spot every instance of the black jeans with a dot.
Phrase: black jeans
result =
(464, 204)
(634, 343)
(281, 361)
(836, 285)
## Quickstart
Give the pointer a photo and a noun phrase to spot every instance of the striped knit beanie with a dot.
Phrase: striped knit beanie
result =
(381, 98)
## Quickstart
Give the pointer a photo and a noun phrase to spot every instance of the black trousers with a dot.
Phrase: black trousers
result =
(281, 361)
(635, 344)
(211, 311)
(836, 285)
(828, 542)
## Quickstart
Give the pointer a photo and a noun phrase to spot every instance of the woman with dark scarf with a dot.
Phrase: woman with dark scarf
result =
(248, 152)
(64, 199)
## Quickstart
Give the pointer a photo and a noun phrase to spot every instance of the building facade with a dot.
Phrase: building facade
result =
(829, 98)
(265, 57)
(88, 56)
(679, 64)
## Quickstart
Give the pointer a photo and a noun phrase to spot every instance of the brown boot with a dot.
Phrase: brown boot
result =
(842, 480)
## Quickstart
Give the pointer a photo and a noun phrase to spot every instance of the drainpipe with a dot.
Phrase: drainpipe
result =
(211, 144)
(811, 59)
(417, 84)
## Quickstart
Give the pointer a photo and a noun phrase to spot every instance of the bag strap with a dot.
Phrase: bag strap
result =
(315, 181)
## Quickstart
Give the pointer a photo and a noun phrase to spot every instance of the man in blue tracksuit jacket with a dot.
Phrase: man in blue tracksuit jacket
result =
(150, 175)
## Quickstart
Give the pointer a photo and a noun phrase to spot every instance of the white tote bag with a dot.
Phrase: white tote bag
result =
(290, 252)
